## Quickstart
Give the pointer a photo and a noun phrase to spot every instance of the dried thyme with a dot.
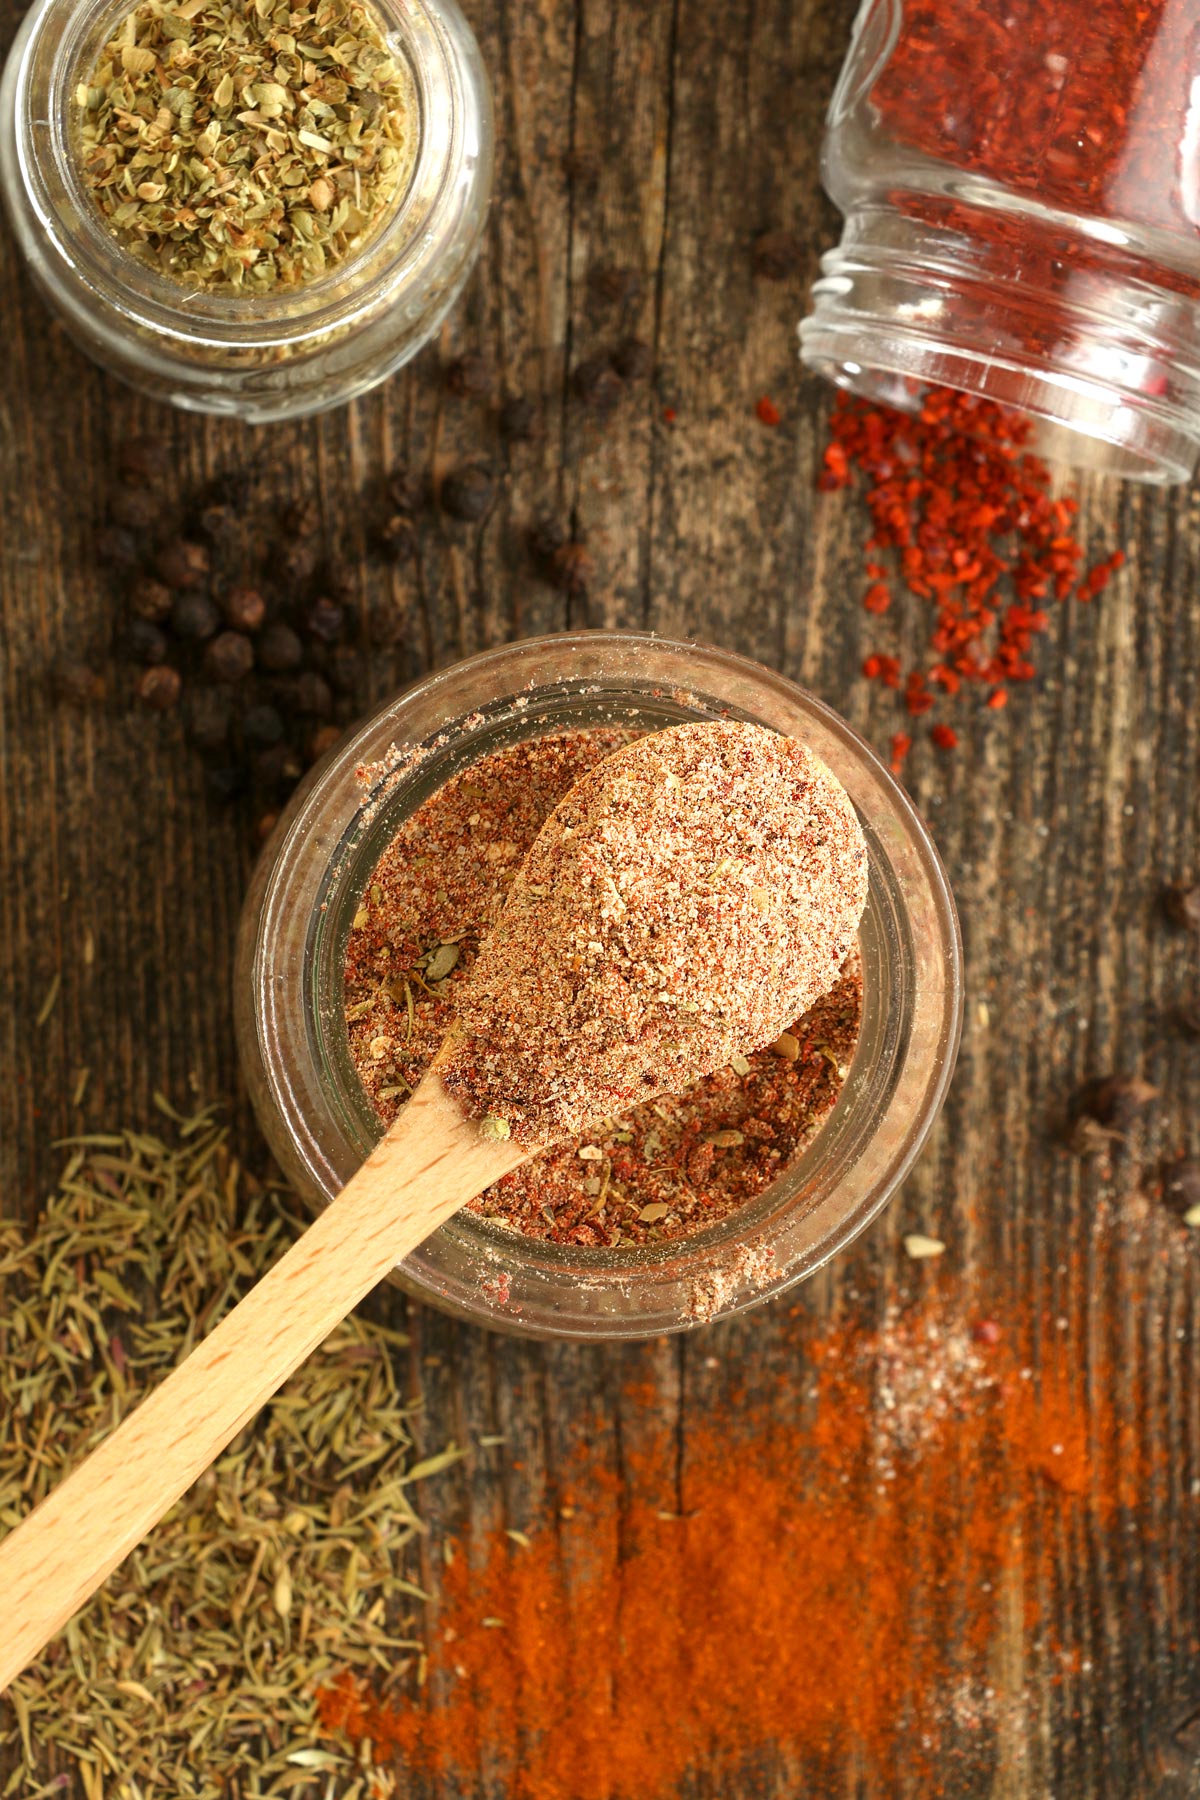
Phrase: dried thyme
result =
(193, 1671)
(246, 146)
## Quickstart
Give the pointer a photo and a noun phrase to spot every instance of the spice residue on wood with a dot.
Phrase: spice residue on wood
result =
(246, 147)
(665, 1167)
(824, 1573)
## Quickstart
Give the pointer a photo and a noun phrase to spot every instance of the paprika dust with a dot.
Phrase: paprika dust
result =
(963, 518)
(828, 1569)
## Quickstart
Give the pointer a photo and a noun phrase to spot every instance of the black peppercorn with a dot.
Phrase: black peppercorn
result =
(261, 726)
(1117, 1101)
(195, 618)
(139, 508)
(141, 458)
(1181, 1185)
(182, 564)
(779, 256)
(325, 620)
(279, 649)
(1181, 902)
(118, 547)
(469, 377)
(144, 642)
(150, 599)
(634, 360)
(598, 384)
(160, 687)
(209, 715)
(467, 493)
(564, 562)
(518, 419)
(244, 609)
(617, 286)
(229, 657)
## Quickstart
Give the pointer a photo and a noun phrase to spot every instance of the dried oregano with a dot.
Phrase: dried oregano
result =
(192, 1674)
(240, 144)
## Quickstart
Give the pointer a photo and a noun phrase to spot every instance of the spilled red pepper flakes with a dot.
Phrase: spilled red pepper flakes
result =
(768, 412)
(963, 518)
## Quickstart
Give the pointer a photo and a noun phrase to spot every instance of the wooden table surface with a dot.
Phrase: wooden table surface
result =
(662, 136)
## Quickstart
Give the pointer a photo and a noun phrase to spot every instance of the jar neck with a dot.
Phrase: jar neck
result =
(1089, 342)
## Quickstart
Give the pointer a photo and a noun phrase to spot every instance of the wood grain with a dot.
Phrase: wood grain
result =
(663, 135)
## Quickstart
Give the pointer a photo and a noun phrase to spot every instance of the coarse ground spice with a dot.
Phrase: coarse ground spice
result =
(963, 518)
(668, 1167)
(687, 898)
(825, 1573)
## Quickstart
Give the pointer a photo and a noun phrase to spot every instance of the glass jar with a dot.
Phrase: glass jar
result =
(1021, 187)
(264, 356)
(306, 891)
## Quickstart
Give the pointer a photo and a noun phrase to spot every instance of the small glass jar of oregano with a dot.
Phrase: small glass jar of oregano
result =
(257, 207)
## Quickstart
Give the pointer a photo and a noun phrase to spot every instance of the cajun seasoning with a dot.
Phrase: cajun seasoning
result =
(664, 1168)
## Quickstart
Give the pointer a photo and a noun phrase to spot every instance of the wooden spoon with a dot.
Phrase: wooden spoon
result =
(688, 899)
(432, 1161)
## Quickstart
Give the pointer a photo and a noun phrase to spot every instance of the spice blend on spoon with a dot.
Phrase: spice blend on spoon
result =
(687, 899)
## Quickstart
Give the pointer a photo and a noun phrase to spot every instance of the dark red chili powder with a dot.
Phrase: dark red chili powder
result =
(1085, 103)
(963, 518)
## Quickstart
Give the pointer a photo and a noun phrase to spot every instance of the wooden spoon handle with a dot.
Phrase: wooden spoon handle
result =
(430, 1163)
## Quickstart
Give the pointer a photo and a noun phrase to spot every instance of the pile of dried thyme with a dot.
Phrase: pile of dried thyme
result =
(245, 146)
(193, 1671)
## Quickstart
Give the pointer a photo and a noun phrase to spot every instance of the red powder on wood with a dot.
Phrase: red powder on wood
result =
(764, 1602)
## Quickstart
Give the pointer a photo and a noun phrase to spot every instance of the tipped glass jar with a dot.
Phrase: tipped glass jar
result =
(308, 889)
(1021, 187)
(268, 352)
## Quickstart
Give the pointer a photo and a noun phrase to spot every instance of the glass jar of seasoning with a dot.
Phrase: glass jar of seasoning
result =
(258, 351)
(313, 878)
(1021, 188)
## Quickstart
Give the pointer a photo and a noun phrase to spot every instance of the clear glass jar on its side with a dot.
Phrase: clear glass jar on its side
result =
(1021, 188)
(306, 891)
(261, 356)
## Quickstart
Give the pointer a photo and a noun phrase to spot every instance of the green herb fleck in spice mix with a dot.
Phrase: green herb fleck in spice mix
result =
(193, 1672)
(246, 146)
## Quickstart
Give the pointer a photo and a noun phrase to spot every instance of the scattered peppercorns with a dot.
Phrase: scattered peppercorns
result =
(467, 493)
(598, 384)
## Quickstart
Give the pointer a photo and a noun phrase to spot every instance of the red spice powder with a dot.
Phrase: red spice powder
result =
(765, 1600)
(964, 512)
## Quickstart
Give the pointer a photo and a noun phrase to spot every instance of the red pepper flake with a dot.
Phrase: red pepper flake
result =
(945, 737)
(963, 507)
(670, 415)
(768, 412)
(901, 745)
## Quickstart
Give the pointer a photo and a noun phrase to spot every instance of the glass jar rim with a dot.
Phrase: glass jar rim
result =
(694, 1279)
(336, 301)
